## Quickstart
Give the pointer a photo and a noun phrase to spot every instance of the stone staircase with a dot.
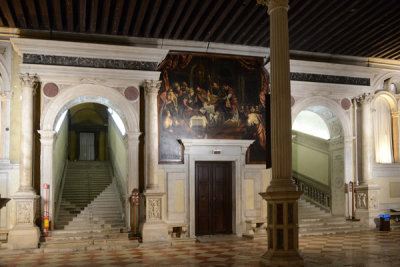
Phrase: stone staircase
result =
(90, 215)
(315, 221)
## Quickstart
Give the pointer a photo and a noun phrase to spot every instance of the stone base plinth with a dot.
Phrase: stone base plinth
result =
(23, 237)
(154, 232)
(367, 205)
(277, 258)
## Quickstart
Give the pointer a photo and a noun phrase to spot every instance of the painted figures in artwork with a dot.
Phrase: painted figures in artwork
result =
(207, 105)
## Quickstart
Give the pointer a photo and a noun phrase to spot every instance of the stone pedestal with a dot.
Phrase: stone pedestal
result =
(367, 204)
(154, 228)
(24, 234)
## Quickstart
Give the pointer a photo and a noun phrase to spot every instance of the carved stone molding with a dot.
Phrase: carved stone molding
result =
(365, 98)
(24, 212)
(6, 95)
(361, 201)
(154, 209)
(152, 86)
(46, 137)
(28, 81)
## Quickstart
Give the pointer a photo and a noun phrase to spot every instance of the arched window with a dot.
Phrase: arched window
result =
(311, 123)
(383, 134)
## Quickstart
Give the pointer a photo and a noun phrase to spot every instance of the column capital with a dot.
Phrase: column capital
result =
(46, 136)
(274, 4)
(365, 98)
(28, 80)
(395, 114)
(6, 95)
(133, 137)
(152, 86)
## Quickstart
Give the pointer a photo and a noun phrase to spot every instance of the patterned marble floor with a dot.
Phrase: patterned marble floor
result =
(358, 249)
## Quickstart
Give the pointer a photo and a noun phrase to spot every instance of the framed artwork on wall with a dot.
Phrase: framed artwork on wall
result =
(212, 97)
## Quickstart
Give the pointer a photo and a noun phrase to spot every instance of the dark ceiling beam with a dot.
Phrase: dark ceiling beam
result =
(57, 15)
(307, 14)
(164, 14)
(117, 16)
(323, 30)
(82, 15)
(7, 13)
(358, 24)
(242, 22)
(172, 23)
(369, 32)
(129, 16)
(140, 17)
(259, 18)
(153, 15)
(261, 30)
(44, 14)
(93, 15)
(105, 16)
(220, 19)
(367, 43)
(387, 47)
(194, 22)
(188, 13)
(32, 14)
(1, 22)
(309, 26)
(70, 15)
(206, 22)
(239, 11)
(19, 13)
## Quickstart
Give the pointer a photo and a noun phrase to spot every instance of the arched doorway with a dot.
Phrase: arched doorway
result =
(97, 94)
(322, 153)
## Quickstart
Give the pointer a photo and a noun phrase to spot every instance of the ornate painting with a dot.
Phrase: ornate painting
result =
(212, 97)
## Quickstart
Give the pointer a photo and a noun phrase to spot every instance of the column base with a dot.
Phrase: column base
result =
(367, 205)
(278, 258)
(154, 232)
(154, 229)
(23, 237)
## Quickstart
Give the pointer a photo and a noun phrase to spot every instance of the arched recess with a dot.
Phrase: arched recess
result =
(394, 117)
(340, 161)
(88, 93)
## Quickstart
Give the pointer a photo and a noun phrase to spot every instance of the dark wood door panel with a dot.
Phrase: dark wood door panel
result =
(213, 198)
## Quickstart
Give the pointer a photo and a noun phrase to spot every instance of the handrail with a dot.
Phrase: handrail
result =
(60, 192)
(314, 191)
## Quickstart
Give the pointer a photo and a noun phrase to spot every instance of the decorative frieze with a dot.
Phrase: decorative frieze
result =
(24, 212)
(154, 209)
(89, 62)
(324, 78)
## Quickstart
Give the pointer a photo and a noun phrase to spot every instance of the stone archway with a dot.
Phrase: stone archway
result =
(341, 157)
(85, 93)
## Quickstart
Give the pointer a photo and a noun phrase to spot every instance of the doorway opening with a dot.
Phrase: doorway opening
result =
(213, 185)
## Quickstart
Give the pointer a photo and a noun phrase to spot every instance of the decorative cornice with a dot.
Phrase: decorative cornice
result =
(87, 50)
(152, 86)
(323, 78)
(88, 62)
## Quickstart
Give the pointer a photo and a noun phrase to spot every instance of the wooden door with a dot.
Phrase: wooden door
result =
(213, 198)
(86, 146)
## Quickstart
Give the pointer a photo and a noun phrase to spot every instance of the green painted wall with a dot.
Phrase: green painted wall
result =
(311, 163)
(118, 152)
(60, 153)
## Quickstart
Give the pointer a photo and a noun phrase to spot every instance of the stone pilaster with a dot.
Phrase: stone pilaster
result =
(25, 234)
(154, 227)
(281, 194)
(367, 192)
(5, 125)
(396, 141)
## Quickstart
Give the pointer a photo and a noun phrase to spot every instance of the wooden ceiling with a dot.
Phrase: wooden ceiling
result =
(368, 28)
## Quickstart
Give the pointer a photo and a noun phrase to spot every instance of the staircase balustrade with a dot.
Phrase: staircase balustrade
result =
(314, 191)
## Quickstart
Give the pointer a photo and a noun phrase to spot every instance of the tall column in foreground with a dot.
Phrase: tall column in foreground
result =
(154, 228)
(367, 192)
(281, 194)
(25, 234)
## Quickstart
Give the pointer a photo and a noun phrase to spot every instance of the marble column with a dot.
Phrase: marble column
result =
(47, 138)
(281, 194)
(154, 228)
(367, 191)
(5, 125)
(25, 233)
(396, 141)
